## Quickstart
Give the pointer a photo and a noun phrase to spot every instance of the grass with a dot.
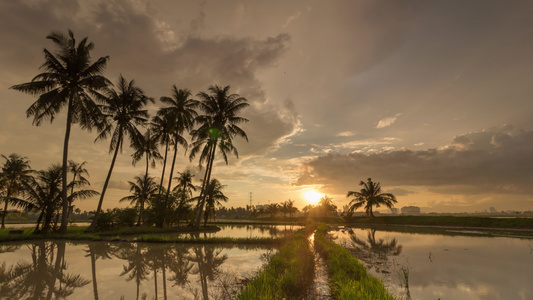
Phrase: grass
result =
(287, 275)
(348, 278)
(457, 221)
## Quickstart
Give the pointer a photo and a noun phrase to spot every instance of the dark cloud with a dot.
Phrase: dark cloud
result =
(494, 160)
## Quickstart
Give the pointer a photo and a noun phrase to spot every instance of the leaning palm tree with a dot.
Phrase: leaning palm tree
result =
(15, 172)
(123, 108)
(68, 79)
(213, 197)
(369, 196)
(218, 127)
(146, 146)
(143, 188)
(181, 111)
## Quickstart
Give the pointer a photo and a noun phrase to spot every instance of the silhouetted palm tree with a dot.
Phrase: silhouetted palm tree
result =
(15, 172)
(369, 196)
(79, 180)
(68, 79)
(143, 188)
(146, 146)
(181, 111)
(213, 196)
(163, 128)
(123, 108)
(218, 127)
(326, 204)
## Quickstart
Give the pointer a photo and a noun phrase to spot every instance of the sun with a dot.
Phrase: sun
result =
(312, 196)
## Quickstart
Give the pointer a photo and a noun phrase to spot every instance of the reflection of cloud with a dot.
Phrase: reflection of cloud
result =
(387, 121)
(497, 160)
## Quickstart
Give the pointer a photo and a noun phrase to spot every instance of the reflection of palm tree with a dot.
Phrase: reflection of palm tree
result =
(369, 196)
(37, 279)
(209, 262)
(68, 78)
(380, 247)
(124, 109)
(95, 251)
(180, 265)
(137, 267)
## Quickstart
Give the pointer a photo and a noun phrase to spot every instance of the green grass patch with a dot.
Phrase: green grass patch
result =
(457, 221)
(348, 278)
(287, 275)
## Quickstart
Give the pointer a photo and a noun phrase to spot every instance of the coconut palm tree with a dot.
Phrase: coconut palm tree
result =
(15, 172)
(162, 129)
(326, 204)
(142, 189)
(218, 127)
(369, 196)
(123, 108)
(68, 79)
(181, 111)
(79, 180)
(213, 195)
(146, 146)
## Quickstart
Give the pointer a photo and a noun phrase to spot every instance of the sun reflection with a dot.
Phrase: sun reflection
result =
(312, 196)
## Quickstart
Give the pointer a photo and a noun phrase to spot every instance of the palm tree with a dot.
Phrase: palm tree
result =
(146, 146)
(15, 172)
(213, 195)
(369, 196)
(67, 80)
(79, 180)
(144, 188)
(182, 113)
(123, 107)
(162, 129)
(326, 204)
(218, 127)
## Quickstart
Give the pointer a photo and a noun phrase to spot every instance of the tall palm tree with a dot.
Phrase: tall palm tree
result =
(143, 188)
(369, 196)
(181, 111)
(146, 146)
(213, 195)
(123, 108)
(15, 172)
(218, 127)
(68, 79)
(162, 128)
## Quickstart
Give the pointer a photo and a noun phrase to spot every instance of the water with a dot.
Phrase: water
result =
(432, 266)
(106, 270)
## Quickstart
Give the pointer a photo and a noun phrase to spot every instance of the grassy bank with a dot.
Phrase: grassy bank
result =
(287, 275)
(457, 221)
(347, 276)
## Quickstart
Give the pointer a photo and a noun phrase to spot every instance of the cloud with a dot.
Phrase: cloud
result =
(495, 160)
(387, 121)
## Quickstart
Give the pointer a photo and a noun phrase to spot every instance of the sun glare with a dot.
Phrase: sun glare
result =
(312, 196)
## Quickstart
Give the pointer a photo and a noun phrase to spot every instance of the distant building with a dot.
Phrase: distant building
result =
(395, 211)
(410, 210)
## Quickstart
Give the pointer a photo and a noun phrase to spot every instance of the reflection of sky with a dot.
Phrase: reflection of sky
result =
(239, 263)
(460, 267)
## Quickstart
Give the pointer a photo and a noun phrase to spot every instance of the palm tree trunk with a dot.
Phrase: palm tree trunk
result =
(164, 167)
(170, 176)
(64, 218)
(208, 174)
(4, 213)
(99, 208)
(143, 196)
(93, 271)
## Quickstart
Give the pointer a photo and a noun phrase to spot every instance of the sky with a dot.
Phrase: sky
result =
(433, 99)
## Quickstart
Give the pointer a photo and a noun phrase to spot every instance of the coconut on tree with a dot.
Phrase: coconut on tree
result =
(369, 196)
(68, 79)
(218, 125)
